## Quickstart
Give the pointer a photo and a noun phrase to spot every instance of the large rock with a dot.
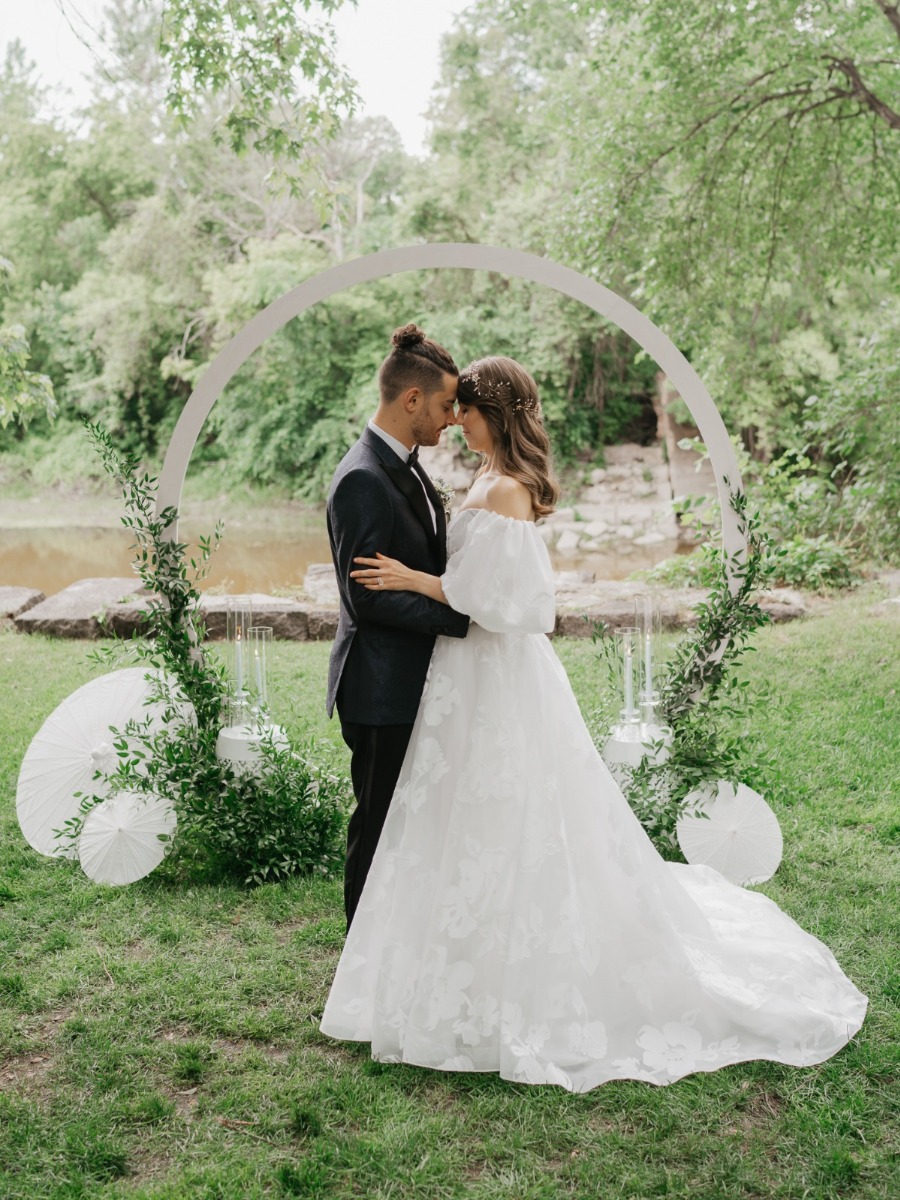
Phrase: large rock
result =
(890, 579)
(77, 611)
(127, 617)
(96, 607)
(288, 619)
(323, 623)
(582, 602)
(320, 585)
(15, 600)
(568, 542)
(782, 604)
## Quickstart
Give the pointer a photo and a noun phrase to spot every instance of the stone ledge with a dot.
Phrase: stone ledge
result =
(16, 600)
(94, 608)
(78, 610)
(288, 619)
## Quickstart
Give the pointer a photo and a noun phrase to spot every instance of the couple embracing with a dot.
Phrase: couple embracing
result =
(506, 911)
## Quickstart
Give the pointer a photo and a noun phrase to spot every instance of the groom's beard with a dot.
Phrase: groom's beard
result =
(426, 431)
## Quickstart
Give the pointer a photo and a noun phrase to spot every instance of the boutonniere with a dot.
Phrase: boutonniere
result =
(446, 493)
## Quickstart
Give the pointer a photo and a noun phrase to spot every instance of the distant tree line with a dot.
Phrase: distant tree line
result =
(731, 169)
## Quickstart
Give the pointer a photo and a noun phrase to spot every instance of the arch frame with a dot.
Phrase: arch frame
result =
(474, 257)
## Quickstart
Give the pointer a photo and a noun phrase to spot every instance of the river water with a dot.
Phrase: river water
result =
(261, 552)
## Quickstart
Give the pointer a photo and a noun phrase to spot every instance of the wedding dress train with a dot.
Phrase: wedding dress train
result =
(516, 918)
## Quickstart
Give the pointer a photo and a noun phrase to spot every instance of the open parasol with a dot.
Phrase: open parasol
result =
(75, 741)
(739, 835)
(124, 838)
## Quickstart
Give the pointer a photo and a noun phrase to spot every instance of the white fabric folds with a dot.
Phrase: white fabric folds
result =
(516, 917)
(501, 577)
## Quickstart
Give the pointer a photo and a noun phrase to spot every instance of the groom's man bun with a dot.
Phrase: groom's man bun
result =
(407, 336)
(414, 361)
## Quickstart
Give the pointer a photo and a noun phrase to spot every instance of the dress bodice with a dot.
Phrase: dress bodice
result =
(499, 573)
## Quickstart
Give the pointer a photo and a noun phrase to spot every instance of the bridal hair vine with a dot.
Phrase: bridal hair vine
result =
(499, 392)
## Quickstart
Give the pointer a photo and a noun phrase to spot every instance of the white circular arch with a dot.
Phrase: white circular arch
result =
(473, 257)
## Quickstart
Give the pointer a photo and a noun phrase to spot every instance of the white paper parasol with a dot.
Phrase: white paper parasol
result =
(120, 840)
(740, 835)
(70, 746)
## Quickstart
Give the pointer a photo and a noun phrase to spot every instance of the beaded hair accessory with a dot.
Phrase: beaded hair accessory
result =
(488, 389)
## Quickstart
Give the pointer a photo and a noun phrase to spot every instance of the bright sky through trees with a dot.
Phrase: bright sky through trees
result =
(389, 46)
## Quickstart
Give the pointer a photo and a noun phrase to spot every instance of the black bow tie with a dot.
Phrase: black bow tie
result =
(413, 457)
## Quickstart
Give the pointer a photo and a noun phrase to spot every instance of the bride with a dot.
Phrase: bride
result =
(516, 917)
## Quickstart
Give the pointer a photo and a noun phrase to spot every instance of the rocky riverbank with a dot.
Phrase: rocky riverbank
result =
(95, 608)
(628, 503)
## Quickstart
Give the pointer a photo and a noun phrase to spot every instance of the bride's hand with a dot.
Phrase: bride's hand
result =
(384, 574)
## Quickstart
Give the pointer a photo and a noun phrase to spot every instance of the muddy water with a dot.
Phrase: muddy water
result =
(256, 555)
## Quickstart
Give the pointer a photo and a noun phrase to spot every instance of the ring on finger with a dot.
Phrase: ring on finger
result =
(380, 582)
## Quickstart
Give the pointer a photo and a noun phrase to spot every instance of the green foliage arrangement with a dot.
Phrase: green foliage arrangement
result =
(813, 563)
(702, 698)
(287, 816)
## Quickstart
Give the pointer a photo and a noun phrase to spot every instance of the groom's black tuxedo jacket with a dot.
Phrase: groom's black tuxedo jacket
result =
(384, 639)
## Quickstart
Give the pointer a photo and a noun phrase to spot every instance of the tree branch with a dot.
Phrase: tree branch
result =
(892, 12)
(704, 121)
(860, 92)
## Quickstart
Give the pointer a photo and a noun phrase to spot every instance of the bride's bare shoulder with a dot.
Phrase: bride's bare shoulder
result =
(509, 497)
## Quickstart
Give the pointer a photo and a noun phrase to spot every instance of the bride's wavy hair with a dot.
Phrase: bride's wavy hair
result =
(507, 397)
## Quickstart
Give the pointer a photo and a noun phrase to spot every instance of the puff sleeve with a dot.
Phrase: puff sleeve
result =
(500, 575)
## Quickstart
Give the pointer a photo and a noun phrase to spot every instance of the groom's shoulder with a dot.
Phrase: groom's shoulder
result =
(360, 456)
(359, 461)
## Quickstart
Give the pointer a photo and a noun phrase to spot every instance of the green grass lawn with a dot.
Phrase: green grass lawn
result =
(161, 1040)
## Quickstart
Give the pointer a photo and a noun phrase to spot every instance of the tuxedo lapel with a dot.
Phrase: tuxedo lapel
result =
(409, 485)
(440, 527)
(430, 515)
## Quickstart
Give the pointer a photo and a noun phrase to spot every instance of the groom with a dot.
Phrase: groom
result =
(381, 500)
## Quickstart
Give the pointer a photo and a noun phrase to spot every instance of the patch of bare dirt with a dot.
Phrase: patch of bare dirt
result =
(285, 929)
(137, 950)
(28, 1071)
(185, 1101)
(145, 1167)
(175, 1033)
(25, 1072)
(757, 1111)
(231, 1048)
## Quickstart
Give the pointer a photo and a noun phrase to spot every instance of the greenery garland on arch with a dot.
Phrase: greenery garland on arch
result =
(703, 700)
(287, 816)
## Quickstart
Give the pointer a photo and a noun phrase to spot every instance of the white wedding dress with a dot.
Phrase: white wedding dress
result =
(516, 918)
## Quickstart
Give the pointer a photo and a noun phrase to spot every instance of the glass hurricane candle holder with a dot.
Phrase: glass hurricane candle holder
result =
(647, 620)
(260, 641)
(238, 622)
(629, 643)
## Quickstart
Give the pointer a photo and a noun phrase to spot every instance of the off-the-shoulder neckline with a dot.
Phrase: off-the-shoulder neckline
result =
(489, 512)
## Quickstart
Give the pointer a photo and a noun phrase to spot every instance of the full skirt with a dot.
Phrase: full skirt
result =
(517, 919)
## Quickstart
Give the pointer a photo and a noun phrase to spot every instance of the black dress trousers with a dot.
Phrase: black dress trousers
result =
(376, 756)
